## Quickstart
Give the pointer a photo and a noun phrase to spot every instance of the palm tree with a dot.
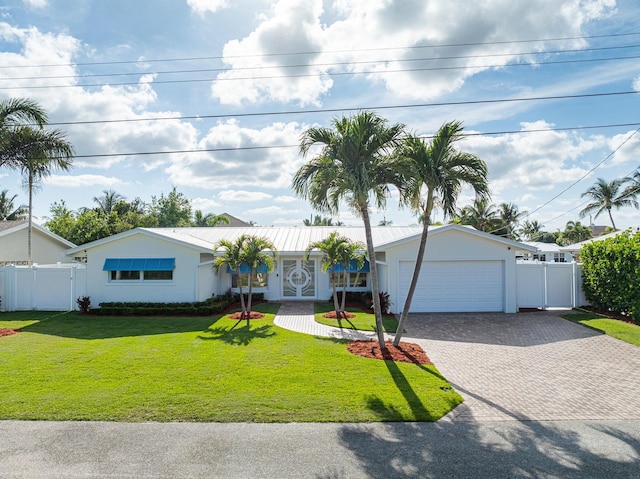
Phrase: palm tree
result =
(210, 219)
(108, 201)
(321, 221)
(633, 189)
(605, 196)
(355, 165)
(8, 211)
(438, 172)
(574, 232)
(329, 249)
(232, 257)
(13, 113)
(256, 253)
(37, 153)
(481, 215)
(532, 230)
(348, 252)
(510, 216)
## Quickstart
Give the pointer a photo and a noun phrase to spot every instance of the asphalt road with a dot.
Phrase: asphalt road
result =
(511, 449)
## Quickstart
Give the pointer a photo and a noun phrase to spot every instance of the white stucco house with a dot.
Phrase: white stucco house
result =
(546, 252)
(464, 270)
(46, 247)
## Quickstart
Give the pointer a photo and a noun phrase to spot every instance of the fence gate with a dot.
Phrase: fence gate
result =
(549, 285)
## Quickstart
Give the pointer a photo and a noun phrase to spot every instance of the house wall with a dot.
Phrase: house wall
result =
(453, 245)
(45, 250)
(189, 281)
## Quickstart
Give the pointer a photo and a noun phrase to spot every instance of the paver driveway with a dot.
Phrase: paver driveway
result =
(530, 366)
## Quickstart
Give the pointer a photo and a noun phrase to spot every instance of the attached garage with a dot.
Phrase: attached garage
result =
(455, 286)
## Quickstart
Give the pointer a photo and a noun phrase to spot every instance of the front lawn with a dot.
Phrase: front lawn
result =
(73, 367)
(364, 321)
(629, 333)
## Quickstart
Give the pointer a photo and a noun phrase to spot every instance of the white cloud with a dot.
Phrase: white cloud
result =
(241, 195)
(269, 210)
(636, 84)
(626, 147)
(203, 6)
(206, 205)
(36, 3)
(80, 181)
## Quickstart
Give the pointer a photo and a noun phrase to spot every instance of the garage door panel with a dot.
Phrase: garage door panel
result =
(454, 286)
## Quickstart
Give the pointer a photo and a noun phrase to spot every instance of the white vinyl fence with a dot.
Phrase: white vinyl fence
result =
(549, 285)
(47, 287)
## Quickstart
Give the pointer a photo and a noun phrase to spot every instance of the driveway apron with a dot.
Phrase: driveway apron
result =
(530, 366)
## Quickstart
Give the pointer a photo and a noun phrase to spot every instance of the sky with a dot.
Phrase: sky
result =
(212, 96)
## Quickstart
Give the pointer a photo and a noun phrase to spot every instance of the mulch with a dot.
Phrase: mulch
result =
(611, 314)
(252, 315)
(8, 331)
(404, 352)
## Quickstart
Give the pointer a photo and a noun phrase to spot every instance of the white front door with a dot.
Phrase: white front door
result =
(298, 278)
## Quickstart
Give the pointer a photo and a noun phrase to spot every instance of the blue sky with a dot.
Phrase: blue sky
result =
(245, 78)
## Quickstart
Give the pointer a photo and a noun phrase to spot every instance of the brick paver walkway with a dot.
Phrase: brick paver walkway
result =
(525, 366)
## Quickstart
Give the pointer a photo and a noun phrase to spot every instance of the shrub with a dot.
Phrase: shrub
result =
(84, 304)
(209, 307)
(611, 269)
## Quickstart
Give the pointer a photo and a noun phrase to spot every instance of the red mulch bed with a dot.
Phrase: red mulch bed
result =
(404, 353)
(611, 314)
(344, 315)
(252, 315)
(8, 331)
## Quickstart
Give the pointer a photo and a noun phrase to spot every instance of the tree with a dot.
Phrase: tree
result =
(574, 232)
(438, 173)
(256, 253)
(357, 165)
(321, 221)
(108, 201)
(481, 215)
(330, 249)
(633, 188)
(173, 210)
(8, 211)
(509, 216)
(347, 253)
(531, 230)
(210, 219)
(605, 196)
(13, 113)
(232, 257)
(37, 153)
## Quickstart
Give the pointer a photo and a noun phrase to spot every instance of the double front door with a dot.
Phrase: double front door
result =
(298, 278)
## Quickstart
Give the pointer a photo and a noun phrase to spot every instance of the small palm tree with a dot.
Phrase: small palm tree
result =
(108, 201)
(357, 166)
(210, 219)
(437, 173)
(347, 253)
(256, 253)
(510, 216)
(532, 230)
(605, 196)
(481, 215)
(8, 211)
(321, 221)
(232, 257)
(329, 248)
(574, 232)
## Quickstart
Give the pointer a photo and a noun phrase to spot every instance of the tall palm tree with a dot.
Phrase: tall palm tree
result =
(481, 215)
(232, 257)
(107, 202)
(355, 165)
(329, 249)
(510, 216)
(8, 211)
(38, 153)
(438, 172)
(605, 196)
(16, 112)
(257, 252)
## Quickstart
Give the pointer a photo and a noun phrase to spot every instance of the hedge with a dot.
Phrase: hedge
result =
(611, 273)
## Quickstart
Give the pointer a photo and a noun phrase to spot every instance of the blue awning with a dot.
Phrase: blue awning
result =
(139, 264)
(244, 269)
(353, 267)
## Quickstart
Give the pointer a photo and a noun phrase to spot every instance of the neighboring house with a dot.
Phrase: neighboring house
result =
(464, 270)
(46, 247)
(546, 252)
(574, 249)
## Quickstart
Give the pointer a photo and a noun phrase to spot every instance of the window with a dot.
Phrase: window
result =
(139, 269)
(559, 258)
(540, 257)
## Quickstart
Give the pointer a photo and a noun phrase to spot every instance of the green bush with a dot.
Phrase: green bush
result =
(611, 273)
(215, 305)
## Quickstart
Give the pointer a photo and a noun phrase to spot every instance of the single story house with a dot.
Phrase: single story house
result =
(546, 253)
(464, 269)
(574, 249)
(46, 247)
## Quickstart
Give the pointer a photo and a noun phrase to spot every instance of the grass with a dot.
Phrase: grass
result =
(73, 367)
(363, 321)
(629, 333)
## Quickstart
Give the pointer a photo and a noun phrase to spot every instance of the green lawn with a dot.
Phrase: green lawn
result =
(72, 367)
(363, 321)
(629, 333)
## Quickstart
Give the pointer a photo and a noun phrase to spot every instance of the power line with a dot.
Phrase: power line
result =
(316, 52)
(349, 63)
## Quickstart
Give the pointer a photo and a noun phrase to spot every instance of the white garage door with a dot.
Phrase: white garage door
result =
(454, 286)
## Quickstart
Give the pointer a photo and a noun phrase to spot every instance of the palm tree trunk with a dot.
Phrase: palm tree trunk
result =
(416, 271)
(336, 307)
(241, 294)
(30, 223)
(611, 218)
(375, 291)
(249, 298)
(343, 306)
